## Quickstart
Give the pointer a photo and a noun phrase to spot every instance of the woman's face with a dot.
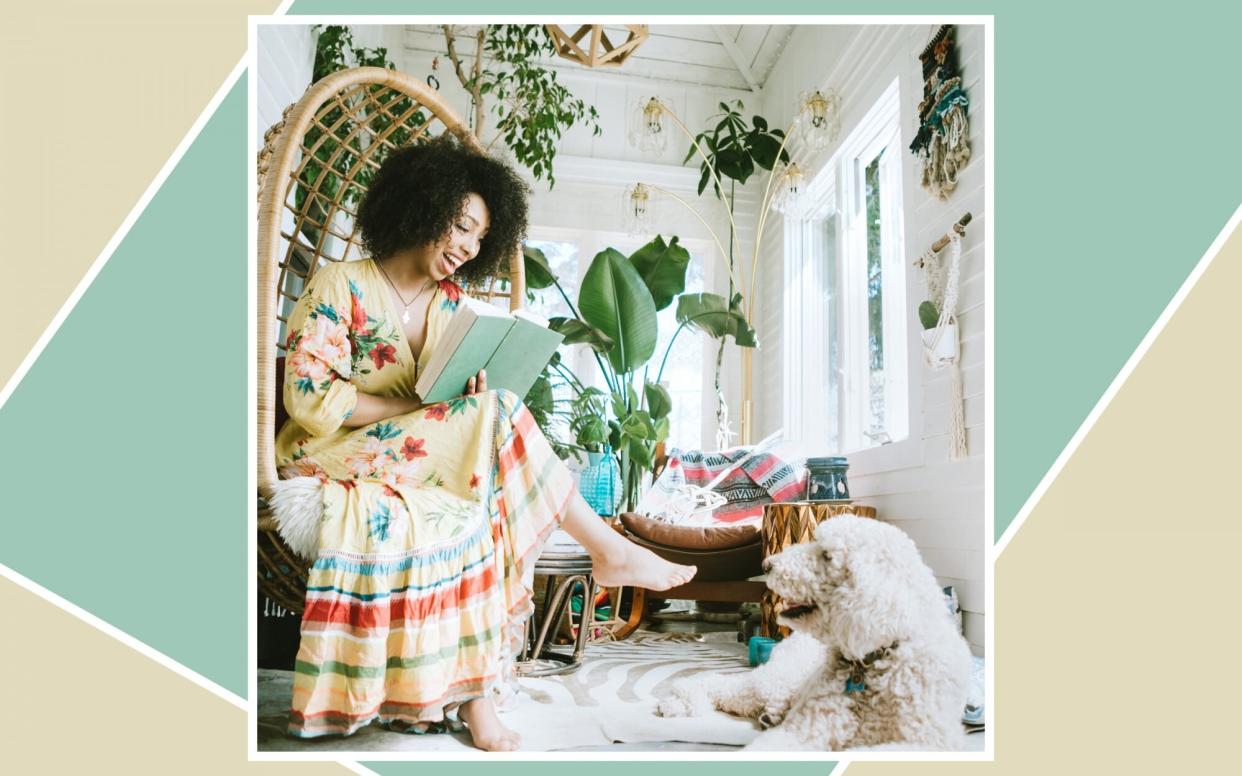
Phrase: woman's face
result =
(461, 244)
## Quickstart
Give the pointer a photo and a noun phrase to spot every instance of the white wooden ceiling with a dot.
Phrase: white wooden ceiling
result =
(727, 56)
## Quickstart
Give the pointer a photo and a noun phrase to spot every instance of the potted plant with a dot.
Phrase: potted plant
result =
(734, 150)
(616, 316)
(939, 342)
(588, 422)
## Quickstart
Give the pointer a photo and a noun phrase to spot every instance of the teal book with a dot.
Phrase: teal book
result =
(513, 348)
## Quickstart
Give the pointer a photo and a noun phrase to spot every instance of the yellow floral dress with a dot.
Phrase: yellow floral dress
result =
(416, 601)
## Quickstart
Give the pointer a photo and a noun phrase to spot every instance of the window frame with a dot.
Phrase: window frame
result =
(852, 283)
(837, 191)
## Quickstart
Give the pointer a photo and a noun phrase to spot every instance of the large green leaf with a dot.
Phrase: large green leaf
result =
(639, 435)
(638, 426)
(614, 299)
(764, 148)
(710, 313)
(538, 273)
(576, 332)
(663, 268)
(659, 403)
(661, 429)
(642, 453)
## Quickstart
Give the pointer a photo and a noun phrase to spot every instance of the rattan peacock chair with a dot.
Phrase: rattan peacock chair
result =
(313, 169)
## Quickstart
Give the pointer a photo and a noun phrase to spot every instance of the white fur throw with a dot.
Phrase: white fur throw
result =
(297, 506)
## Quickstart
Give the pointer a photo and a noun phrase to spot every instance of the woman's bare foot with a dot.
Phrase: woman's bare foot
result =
(619, 562)
(626, 563)
(486, 730)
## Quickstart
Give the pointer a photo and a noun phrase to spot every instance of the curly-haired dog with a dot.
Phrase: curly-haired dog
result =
(875, 660)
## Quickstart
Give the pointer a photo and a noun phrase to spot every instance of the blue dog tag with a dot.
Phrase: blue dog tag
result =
(852, 686)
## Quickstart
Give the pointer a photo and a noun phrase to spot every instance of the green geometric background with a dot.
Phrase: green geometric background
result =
(123, 455)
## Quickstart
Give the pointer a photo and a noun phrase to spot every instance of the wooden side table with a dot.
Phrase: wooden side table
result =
(789, 523)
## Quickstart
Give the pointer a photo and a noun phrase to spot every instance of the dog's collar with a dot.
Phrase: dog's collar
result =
(858, 667)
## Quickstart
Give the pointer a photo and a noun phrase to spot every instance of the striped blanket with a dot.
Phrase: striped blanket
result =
(761, 480)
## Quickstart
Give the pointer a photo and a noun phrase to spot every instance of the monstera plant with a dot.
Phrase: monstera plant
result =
(616, 315)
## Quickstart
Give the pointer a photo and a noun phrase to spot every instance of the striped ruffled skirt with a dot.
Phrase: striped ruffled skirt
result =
(416, 601)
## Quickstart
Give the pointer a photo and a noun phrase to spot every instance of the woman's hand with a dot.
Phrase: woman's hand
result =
(478, 383)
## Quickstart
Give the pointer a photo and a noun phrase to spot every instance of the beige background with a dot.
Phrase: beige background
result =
(1117, 602)
(78, 701)
(75, 699)
(94, 98)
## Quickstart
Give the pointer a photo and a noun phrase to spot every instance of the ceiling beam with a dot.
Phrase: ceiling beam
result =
(730, 47)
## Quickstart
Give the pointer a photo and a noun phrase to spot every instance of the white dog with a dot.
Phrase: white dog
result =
(875, 660)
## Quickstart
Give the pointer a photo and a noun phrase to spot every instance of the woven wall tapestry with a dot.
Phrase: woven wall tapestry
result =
(942, 144)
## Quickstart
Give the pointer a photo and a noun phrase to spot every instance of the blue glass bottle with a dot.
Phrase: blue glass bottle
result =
(600, 482)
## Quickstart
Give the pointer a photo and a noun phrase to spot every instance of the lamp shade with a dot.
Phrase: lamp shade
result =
(819, 118)
(636, 210)
(590, 45)
(648, 126)
(789, 188)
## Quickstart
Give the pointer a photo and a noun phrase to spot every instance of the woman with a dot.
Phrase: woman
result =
(422, 519)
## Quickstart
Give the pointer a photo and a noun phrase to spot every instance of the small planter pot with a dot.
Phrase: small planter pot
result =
(938, 354)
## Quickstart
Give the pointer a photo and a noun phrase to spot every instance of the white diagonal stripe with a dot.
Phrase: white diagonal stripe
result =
(121, 636)
(122, 232)
(1170, 309)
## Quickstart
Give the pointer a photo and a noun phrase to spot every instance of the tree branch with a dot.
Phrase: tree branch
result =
(474, 79)
(470, 84)
(450, 40)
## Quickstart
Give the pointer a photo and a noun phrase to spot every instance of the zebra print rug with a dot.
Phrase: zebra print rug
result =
(620, 683)
(610, 699)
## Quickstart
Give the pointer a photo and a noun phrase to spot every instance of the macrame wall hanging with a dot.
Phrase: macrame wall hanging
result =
(942, 143)
(940, 342)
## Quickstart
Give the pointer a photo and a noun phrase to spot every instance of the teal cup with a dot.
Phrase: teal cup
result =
(760, 649)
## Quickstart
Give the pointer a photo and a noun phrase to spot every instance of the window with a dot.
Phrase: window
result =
(871, 283)
(845, 281)
(563, 261)
(547, 302)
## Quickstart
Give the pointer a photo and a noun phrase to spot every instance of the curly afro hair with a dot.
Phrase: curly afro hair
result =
(420, 190)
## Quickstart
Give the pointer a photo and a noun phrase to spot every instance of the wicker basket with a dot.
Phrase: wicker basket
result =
(313, 169)
(787, 524)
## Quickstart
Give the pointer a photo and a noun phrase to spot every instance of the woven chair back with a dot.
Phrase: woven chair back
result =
(314, 167)
(313, 170)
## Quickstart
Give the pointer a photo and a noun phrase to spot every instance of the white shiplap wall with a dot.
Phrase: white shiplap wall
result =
(285, 57)
(914, 486)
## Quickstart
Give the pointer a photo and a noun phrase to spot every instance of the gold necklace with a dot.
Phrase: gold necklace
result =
(405, 313)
